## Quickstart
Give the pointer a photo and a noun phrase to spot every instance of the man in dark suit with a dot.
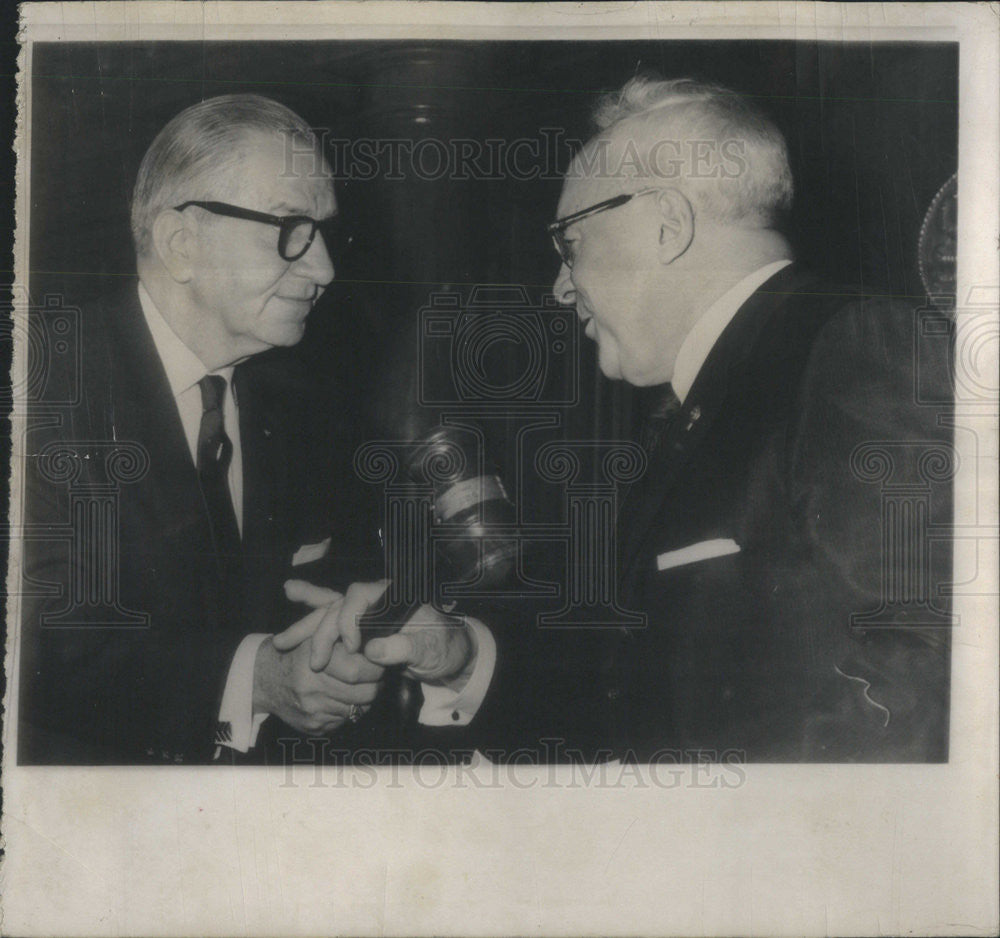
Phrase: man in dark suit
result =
(780, 542)
(198, 490)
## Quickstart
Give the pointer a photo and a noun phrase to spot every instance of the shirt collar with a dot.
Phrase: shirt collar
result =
(706, 331)
(184, 369)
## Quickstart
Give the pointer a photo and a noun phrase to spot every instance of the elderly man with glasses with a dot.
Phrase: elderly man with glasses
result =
(792, 612)
(157, 644)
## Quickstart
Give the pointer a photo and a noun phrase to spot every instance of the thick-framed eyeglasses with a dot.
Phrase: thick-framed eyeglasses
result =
(558, 228)
(295, 232)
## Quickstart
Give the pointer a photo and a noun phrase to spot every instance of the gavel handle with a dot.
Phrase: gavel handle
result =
(389, 621)
(403, 696)
(385, 622)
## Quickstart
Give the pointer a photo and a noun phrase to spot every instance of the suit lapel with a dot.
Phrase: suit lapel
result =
(700, 410)
(686, 431)
(261, 430)
(143, 408)
(267, 491)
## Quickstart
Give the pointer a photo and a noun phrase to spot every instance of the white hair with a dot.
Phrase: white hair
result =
(754, 186)
(194, 156)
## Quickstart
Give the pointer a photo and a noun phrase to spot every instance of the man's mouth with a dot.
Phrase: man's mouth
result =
(304, 300)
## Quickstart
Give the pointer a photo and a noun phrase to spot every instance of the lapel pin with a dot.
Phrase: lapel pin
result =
(693, 417)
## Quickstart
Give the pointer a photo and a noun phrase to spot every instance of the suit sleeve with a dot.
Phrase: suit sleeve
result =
(99, 688)
(795, 649)
(871, 461)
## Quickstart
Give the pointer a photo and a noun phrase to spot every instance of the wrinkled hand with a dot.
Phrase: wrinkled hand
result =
(432, 647)
(289, 683)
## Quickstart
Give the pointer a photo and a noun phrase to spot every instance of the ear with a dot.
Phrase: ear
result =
(174, 243)
(676, 224)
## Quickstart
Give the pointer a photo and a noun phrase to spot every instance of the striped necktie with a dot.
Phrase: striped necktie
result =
(215, 453)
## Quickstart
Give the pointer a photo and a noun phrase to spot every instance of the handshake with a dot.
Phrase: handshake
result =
(318, 673)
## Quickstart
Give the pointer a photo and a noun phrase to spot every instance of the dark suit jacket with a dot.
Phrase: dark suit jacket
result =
(126, 646)
(802, 440)
(826, 636)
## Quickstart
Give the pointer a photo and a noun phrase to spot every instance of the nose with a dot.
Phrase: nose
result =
(563, 288)
(316, 264)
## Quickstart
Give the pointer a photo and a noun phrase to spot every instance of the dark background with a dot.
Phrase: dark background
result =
(872, 132)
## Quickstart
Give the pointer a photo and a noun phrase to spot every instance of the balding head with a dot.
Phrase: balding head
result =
(709, 142)
(214, 194)
(710, 180)
(198, 154)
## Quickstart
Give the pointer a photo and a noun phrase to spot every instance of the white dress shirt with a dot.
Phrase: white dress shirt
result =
(700, 341)
(184, 370)
(442, 705)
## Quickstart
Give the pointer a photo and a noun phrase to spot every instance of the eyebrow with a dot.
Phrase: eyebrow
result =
(285, 208)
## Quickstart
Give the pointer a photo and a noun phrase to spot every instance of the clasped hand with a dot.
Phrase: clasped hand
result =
(311, 674)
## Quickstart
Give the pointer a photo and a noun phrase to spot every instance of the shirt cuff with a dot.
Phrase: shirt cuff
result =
(236, 713)
(446, 707)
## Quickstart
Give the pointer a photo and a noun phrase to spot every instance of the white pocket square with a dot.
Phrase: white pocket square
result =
(704, 550)
(307, 553)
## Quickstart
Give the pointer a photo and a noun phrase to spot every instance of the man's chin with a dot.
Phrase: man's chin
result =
(286, 334)
(610, 367)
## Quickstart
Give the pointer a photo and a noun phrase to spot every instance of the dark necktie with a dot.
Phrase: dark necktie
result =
(215, 453)
(659, 419)
(661, 409)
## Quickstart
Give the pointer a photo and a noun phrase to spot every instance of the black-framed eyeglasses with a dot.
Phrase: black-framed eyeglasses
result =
(558, 227)
(295, 232)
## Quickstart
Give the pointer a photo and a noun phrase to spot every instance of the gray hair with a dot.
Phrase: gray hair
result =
(194, 156)
(757, 188)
